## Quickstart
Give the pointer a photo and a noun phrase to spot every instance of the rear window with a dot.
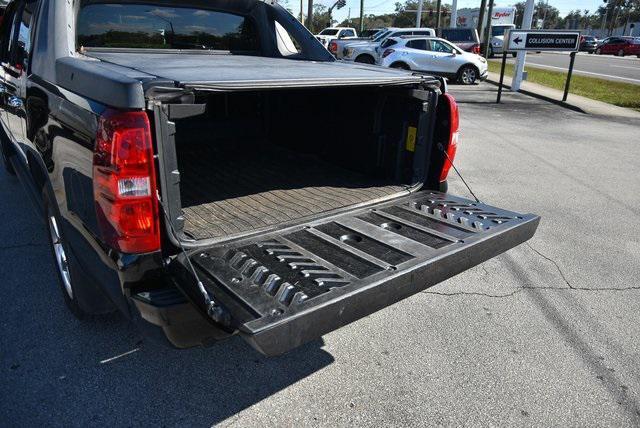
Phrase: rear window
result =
(329, 32)
(458, 34)
(159, 27)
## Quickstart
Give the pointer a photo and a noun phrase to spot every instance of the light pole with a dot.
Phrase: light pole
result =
(419, 13)
(454, 14)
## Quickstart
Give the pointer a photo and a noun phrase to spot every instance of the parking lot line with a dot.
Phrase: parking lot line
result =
(586, 72)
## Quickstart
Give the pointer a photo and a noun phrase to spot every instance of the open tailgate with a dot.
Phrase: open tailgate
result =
(287, 287)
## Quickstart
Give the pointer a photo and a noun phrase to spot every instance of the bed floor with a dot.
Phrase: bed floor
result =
(225, 192)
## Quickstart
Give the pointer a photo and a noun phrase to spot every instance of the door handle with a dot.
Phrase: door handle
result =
(14, 102)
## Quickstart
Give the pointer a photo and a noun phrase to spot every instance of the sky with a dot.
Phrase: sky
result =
(384, 6)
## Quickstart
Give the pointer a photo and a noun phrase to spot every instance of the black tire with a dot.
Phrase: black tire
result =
(365, 59)
(491, 54)
(63, 262)
(467, 75)
(4, 152)
(514, 54)
(400, 65)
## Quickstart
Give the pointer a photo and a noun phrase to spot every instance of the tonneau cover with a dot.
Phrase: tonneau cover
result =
(236, 72)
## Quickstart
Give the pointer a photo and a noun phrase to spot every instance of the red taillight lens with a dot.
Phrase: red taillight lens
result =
(124, 182)
(333, 47)
(387, 52)
(476, 49)
(454, 127)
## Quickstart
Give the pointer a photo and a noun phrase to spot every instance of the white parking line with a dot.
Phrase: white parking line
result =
(585, 72)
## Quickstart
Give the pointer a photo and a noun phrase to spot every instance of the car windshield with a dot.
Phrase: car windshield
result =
(329, 32)
(381, 35)
(154, 26)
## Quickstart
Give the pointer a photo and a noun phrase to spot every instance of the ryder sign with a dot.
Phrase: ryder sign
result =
(536, 40)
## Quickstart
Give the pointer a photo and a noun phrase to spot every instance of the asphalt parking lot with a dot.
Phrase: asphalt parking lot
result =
(546, 334)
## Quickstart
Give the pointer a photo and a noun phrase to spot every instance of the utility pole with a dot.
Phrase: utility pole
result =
(438, 13)
(454, 14)
(526, 25)
(361, 16)
(302, 12)
(310, 15)
(483, 7)
(487, 34)
(419, 13)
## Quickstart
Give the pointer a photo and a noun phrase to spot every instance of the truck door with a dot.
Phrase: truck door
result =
(15, 70)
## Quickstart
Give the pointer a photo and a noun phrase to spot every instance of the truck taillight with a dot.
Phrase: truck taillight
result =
(454, 126)
(333, 47)
(124, 182)
(387, 52)
(476, 49)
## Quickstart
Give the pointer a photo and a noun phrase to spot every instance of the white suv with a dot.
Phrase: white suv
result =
(435, 56)
(368, 51)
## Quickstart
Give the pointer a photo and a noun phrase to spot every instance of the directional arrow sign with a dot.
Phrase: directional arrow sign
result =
(541, 40)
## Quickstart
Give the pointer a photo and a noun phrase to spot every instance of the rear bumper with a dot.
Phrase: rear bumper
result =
(167, 315)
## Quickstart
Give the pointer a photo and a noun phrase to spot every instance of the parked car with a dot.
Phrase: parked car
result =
(496, 43)
(619, 45)
(201, 192)
(368, 51)
(588, 44)
(335, 45)
(433, 55)
(466, 39)
(328, 34)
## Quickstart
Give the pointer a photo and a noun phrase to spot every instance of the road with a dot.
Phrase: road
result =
(544, 335)
(607, 67)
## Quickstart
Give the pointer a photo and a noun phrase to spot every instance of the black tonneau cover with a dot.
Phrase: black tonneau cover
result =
(288, 287)
(236, 72)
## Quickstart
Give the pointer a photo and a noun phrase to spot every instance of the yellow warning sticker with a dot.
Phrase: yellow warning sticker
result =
(411, 139)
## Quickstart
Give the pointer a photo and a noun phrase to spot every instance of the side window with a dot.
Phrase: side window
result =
(438, 46)
(417, 44)
(8, 34)
(348, 33)
(287, 45)
(23, 47)
(422, 33)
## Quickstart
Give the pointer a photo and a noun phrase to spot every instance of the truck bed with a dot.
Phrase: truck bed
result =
(228, 72)
(263, 188)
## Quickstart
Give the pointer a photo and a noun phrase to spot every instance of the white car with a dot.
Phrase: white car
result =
(332, 33)
(435, 56)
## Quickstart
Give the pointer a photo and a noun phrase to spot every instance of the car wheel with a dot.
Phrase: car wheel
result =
(514, 54)
(620, 52)
(62, 260)
(400, 65)
(365, 59)
(491, 54)
(4, 152)
(468, 75)
(598, 51)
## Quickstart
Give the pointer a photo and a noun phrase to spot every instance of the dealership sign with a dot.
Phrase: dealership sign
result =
(536, 40)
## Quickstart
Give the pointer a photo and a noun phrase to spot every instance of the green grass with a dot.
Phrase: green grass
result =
(616, 93)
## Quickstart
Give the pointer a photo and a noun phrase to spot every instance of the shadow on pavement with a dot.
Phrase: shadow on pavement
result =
(56, 370)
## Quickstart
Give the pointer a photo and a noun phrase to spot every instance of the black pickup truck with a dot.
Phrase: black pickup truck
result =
(197, 168)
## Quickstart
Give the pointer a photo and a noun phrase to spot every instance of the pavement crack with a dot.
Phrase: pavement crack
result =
(564, 277)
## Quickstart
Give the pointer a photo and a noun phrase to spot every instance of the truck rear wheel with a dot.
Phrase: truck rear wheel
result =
(61, 260)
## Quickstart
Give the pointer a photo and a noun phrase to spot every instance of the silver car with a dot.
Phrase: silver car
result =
(435, 56)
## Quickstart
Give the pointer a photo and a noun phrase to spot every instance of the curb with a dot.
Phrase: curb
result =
(576, 103)
(539, 96)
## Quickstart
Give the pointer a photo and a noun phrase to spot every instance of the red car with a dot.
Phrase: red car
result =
(620, 45)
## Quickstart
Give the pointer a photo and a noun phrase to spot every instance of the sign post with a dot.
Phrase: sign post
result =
(541, 41)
